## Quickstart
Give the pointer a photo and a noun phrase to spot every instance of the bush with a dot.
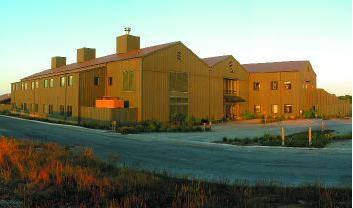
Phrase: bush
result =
(127, 130)
(247, 116)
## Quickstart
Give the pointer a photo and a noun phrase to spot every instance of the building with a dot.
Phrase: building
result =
(157, 82)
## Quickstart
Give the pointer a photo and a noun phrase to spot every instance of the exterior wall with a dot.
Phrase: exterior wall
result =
(155, 91)
(217, 73)
(89, 92)
(266, 97)
(115, 70)
(56, 96)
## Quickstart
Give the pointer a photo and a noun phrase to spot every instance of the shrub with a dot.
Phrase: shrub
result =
(225, 139)
(247, 116)
(127, 130)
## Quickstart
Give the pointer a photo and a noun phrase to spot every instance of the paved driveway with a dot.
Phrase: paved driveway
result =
(192, 155)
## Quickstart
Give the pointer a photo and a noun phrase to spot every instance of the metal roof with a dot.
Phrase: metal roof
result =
(284, 66)
(76, 67)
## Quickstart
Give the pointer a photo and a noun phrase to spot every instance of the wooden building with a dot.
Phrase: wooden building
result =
(157, 82)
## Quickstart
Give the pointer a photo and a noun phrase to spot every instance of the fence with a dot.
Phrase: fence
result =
(4, 107)
(104, 116)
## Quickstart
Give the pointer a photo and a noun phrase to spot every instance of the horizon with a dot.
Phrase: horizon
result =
(322, 33)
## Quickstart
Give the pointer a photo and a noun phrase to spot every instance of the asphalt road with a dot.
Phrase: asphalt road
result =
(199, 159)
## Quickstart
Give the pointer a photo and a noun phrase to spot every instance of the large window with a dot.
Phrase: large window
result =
(46, 83)
(274, 85)
(62, 81)
(287, 108)
(69, 111)
(178, 105)
(287, 85)
(32, 85)
(257, 109)
(26, 86)
(70, 81)
(229, 86)
(128, 80)
(256, 86)
(37, 84)
(274, 109)
(178, 82)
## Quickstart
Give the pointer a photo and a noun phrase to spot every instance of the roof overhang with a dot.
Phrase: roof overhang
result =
(232, 99)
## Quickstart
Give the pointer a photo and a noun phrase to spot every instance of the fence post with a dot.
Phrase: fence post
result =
(322, 125)
(309, 136)
(282, 135)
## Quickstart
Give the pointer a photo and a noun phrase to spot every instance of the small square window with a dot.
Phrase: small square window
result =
(287, 85)
(256, 86)
(257, 109)
(96, 81)
(287, 108)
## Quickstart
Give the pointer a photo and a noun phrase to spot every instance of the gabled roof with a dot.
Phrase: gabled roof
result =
(76, 67)
(211, 61)
(285, 66)
(5, 98)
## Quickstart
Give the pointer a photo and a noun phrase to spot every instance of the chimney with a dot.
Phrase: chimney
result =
(58, 61)
(127, 42)
(85, 54)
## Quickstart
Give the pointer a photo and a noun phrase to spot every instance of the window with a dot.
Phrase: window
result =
(178, 82)
(32, 85)
(62, 110)
(287, 108)
(32, 107)
(274, 85)
(70, 81)
(37, 84)
(229, 86)
(178, 105)
(257, 109)
(26, 86)
(45, 83)
(62, 81)
(22, 86)
(36, 108)
(17, 86)
(51, 110)
(51, 83)
(45, 108)
(256, 86)
(128, 81)
(110, 80)
(69, 111)
(287, 85)
(274, 108)
(96, 81)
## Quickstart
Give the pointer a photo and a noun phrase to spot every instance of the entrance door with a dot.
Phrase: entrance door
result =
(230, 111)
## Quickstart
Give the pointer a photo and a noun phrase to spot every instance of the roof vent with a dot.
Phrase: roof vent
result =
(127, 42)
(58, 61)
(85, 54)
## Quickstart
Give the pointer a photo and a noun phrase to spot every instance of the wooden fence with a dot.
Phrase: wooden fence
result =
(104, 116)
(4, 107)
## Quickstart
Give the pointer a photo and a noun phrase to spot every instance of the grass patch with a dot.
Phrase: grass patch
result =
(47, 175)
(319, 139)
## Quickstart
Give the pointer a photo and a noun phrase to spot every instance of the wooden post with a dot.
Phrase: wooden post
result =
(282, 135)
(309, 136)
(322, 125)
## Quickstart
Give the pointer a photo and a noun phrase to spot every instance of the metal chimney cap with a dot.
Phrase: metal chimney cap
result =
(127, 30)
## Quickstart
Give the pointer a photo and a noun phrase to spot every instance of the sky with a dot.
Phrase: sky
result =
(253, 31)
